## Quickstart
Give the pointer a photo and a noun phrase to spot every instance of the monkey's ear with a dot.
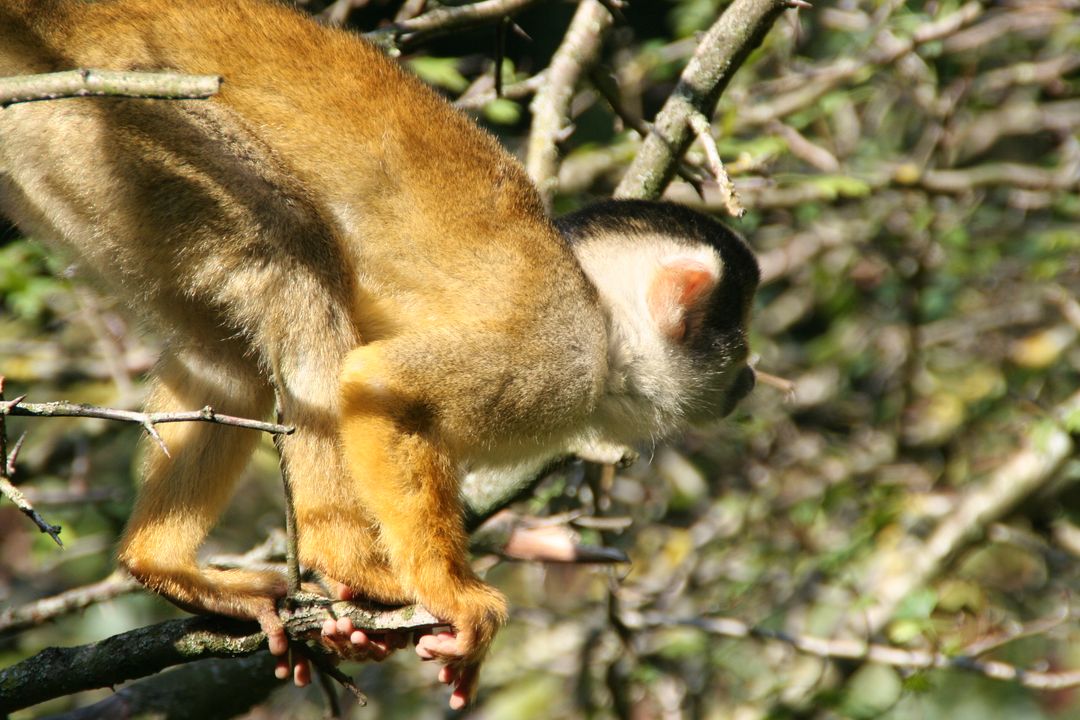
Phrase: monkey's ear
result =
(679, 288)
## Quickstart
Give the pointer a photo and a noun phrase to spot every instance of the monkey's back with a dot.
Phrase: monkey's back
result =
(323, 187)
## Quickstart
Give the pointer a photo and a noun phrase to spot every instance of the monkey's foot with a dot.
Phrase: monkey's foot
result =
(462, 675)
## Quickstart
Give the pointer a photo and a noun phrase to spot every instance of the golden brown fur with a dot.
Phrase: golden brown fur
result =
(325, 217)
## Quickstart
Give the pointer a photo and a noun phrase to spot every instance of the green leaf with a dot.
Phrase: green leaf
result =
(441, 72)
(917, 605)
(503, 111)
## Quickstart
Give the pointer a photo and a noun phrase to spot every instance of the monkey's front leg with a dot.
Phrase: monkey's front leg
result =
(408, 483)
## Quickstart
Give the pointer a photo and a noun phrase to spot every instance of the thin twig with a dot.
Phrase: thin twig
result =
(326, 669)
(13, 454)
(292, 554)
(703, 129)
(13, 494)
(329, 690)
(17, 407)
(447, 19)
(81, 83)
(482, 91)
(7, 471)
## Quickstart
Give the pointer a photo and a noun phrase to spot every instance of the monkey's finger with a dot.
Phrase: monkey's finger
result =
(281, 668)
(431, 647)
(275, 630)
(464, 686)
(302, 673)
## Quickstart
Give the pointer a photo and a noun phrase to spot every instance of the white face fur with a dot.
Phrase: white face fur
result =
(649, 373)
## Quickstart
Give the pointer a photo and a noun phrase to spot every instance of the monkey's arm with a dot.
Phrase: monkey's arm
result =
(407, 480)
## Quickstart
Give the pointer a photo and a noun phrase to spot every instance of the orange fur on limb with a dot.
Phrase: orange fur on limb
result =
(328, 220)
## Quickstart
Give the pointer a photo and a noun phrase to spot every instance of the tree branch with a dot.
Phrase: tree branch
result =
(841, 649)
(147, 650)
(722, 50)
(19, 408)
(900, 571)
(227, 689)
(551, 105)
(15, 619)
(444, 20)
(82, 83)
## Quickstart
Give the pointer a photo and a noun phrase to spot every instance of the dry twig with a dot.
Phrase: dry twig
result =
(81, 83)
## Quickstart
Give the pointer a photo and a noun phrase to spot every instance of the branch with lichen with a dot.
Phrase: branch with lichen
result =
(148, 650)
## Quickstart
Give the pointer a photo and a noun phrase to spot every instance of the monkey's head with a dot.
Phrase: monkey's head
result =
(676, 287)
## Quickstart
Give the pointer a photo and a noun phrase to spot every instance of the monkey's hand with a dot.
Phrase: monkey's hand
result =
(338, 635)
(481, 612)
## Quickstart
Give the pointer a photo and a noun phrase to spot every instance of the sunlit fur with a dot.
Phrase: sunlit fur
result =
(330, 222)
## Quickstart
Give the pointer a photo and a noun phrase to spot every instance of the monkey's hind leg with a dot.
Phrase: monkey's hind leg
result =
(408, 482)
(184, 492)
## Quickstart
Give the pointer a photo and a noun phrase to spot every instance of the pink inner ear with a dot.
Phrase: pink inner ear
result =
(676, 288)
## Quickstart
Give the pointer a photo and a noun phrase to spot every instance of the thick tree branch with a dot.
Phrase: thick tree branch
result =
(147, 650)
(722, 50)
(226, 688)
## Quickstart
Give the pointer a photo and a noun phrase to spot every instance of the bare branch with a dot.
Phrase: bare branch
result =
(844, 649)
(7, 470)
(722, 50)
(551, 105)
(81, 83)
(809, 86)
(17, 407)
(13, 494)
(481, 92)
(447, 19)
(897, 572)
(147, 650)
(16, 619)
(227, 688)
(703, 129)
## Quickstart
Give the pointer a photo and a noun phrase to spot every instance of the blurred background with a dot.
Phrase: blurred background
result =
(910, 172)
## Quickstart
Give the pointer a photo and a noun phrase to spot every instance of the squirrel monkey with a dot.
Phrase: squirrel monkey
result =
(329, 223)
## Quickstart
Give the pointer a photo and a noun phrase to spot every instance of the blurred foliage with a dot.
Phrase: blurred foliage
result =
(911, 189)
